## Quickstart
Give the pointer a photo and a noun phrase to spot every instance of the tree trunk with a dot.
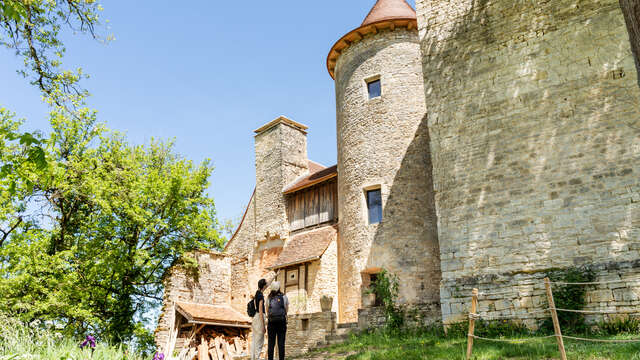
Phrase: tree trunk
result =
(631, 11)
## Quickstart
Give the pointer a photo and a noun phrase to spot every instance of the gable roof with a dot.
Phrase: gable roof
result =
(312, 179)
(307, 246)
(212, 314)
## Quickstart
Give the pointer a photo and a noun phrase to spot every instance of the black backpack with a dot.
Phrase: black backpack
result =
(251, 308)
(276, 308)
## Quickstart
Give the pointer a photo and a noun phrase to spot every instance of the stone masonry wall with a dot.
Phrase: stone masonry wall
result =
(371, 318)
(306, 331)
(382, 143)
(281, 157)
(499, 297)
(323, 280)
(210, 287)
(535, 134)
(242, 243)
(241, 247)
(631, 11)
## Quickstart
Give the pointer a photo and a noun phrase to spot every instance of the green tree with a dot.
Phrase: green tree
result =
(32, 29)
(107, 219)
(89, 223)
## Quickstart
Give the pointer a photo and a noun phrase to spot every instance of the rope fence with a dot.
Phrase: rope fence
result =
(473, 316)
(522, 340)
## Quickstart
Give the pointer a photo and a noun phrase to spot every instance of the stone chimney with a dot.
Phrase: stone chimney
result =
(281, 157)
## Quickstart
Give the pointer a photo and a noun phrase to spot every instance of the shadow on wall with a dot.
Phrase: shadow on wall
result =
(406, 241)
(535, 133)
(631, 11)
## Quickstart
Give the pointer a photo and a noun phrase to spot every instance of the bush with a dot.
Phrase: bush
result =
(572, 297)
(618, 326)
(385, 287)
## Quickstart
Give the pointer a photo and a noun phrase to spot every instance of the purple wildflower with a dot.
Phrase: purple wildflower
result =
(89, 341)
(158, 356)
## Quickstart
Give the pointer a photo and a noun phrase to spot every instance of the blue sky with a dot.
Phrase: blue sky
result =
(207, 75)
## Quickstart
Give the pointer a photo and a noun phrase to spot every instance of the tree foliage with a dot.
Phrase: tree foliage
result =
(89, 223)
(99, 228)
(32, 28)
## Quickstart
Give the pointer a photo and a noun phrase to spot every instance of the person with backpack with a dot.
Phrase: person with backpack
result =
(255, 309)
(277, 326)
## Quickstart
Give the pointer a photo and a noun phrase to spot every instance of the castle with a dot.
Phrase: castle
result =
(480, 144)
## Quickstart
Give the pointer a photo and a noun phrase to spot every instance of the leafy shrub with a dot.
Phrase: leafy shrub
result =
(385, 287)
(572, 297)
(618, 326)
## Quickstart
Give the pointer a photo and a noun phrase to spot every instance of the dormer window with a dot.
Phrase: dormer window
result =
(374, 87)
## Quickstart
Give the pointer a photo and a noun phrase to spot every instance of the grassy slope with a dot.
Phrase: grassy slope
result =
(430, 345)
(21, 342)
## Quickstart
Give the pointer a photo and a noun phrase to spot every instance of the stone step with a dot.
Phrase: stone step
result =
(352, 325)
(343, 331)
(337, 338)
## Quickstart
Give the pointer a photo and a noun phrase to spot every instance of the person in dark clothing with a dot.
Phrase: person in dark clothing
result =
(278, 307)
(258, 321)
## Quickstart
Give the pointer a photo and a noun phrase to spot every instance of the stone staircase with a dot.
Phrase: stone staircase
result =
(340, 335)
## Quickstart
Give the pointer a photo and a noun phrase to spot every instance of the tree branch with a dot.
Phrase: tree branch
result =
(5, 234)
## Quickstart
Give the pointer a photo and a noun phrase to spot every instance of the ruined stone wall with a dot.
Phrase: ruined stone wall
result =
(242, 243)
(374, 317)
(210, 286)
(306, 331)
(534, 123)
(381, 143)
(241, 248)
(323, 279)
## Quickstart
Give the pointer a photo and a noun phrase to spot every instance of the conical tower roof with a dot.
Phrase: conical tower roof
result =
(389, 10)
(385, 14)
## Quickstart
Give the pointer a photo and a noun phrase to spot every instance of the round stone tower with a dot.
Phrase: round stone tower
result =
(386, 202)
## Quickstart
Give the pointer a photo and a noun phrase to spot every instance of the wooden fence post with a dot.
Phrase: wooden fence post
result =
(554, 316)
(472, 322)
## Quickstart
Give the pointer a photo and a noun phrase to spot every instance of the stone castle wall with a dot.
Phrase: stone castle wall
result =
(241, 247)
(381, 143)
(322, 280)
(210, 286)
(535, 135)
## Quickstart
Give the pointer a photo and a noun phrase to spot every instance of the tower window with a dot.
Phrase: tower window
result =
(374, 205)
(375, 88)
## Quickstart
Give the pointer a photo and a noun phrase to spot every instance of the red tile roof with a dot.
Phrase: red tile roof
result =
(212, 314)
(307, 246)
(388, 10)
(314, 166)
(313, 178)
(386, 14)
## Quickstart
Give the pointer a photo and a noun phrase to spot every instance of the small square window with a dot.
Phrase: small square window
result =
(374, 205)
(375, 88)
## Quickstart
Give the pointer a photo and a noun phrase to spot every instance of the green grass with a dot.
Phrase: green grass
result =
(23, 342)
(429, 344)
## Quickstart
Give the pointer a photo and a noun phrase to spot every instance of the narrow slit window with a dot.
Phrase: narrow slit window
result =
(375, 88)
(374, 205)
